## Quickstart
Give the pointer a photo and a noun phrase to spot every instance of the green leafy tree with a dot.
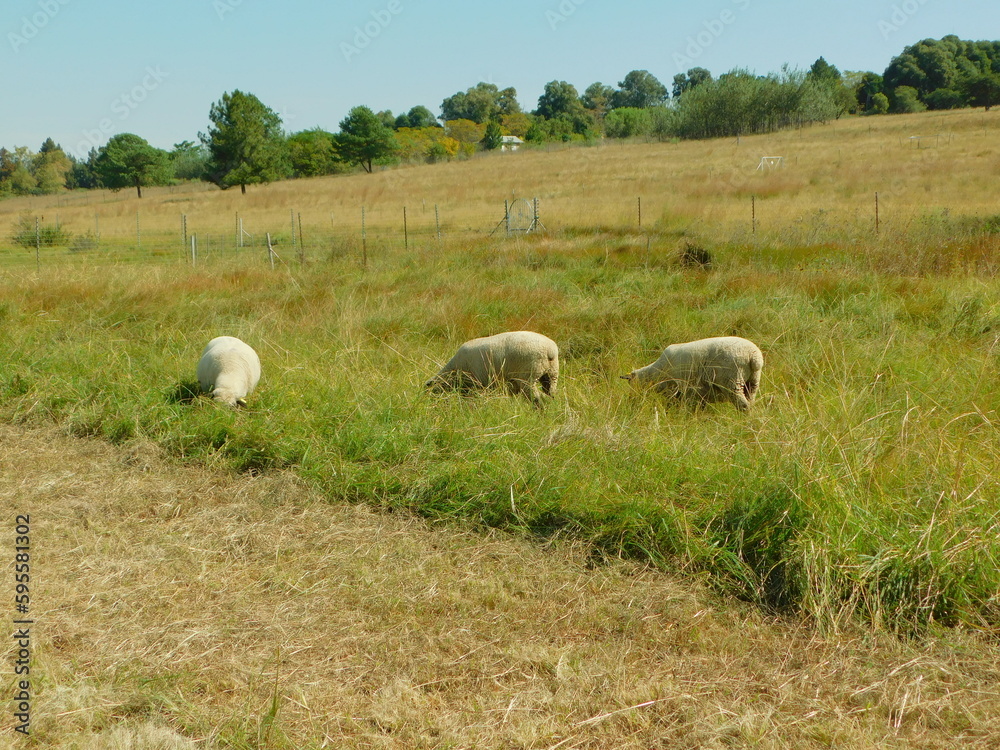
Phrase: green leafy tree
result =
(596, 99)
(905, 100)
(83, 173)
(869, 85)
(481, 103)
(559, 98)
(879, 104)
(245, 143)
(627, 122)
(22, 178)
(685, 82)
(313, 153)
(189, 160)
(493, 137)
(982, 90)
(945, 63)
(51, 167)
(364, 138)
(640, 89)
(417, 117)
(127, 160)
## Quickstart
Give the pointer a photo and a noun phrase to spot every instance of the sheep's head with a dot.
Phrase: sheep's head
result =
(227, 397)
(439, 384)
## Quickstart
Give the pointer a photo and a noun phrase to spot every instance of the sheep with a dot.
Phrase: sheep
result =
(228, 369)
(519, 360)
(725, 368)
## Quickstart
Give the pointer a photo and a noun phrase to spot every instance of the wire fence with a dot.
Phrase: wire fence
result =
(116, 233)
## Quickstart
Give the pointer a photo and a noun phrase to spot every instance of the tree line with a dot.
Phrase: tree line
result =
(245, 143)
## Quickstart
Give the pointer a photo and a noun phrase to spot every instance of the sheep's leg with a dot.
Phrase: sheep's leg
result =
(751, 386)
(548, 384)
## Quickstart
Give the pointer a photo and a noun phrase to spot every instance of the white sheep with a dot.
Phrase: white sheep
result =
(517, 360)
(726, 368)
(228, 369)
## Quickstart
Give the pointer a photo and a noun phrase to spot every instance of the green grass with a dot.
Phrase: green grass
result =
(861, 485)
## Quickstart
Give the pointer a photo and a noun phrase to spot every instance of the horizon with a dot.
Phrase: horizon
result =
(102, 75)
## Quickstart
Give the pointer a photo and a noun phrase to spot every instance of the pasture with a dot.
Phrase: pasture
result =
(855, 507)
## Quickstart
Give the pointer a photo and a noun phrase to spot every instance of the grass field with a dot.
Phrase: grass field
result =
(860, 495)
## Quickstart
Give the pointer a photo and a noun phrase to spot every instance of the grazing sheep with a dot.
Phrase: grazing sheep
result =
(519, 360)
(726, 368)
(228, 369)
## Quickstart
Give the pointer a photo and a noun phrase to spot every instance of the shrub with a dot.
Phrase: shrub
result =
(46, 235)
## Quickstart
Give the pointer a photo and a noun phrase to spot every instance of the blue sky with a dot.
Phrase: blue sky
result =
(80, 72)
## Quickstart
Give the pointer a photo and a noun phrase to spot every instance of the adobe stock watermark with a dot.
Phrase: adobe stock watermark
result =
(365, 35)
(712, 29)
(123, 105)
(33, 24)
(223, 8)
(900, 16)
(562, 12)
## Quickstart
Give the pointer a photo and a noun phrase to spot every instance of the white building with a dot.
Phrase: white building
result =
(510, 143)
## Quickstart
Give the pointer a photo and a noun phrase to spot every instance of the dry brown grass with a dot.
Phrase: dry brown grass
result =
(830, 176)
(176, 608)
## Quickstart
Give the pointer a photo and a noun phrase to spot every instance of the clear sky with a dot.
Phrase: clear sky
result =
(80, 72)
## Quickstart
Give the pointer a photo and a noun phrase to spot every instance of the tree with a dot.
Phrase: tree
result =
(189, 160)
(823, 72)
(626, 122)
(906, 99)
(127, 160)
(879, 104)
(312, 153)
(870, 85)
(559, 98)
(640, 89)
(246, 145)
(493, 137)
(387, 118)
(694, 77)
(982, 90)
(481, 103)
(945, 63)
(417, 117)
(825, 82)
(51, 167)
(363, 138)
(597, 98)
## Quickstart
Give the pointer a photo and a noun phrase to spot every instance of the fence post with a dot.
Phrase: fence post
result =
(753, 214)
(194, 251)
(270, 250)
(639, 205)
(302, 244)
(406, 234)
(184, 228)
(239, 231)
(437, 223)
(364, 241)
(876, 213)
(38, 246)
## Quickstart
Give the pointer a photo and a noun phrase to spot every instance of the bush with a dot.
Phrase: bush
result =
(47, 235)
(906, 101)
